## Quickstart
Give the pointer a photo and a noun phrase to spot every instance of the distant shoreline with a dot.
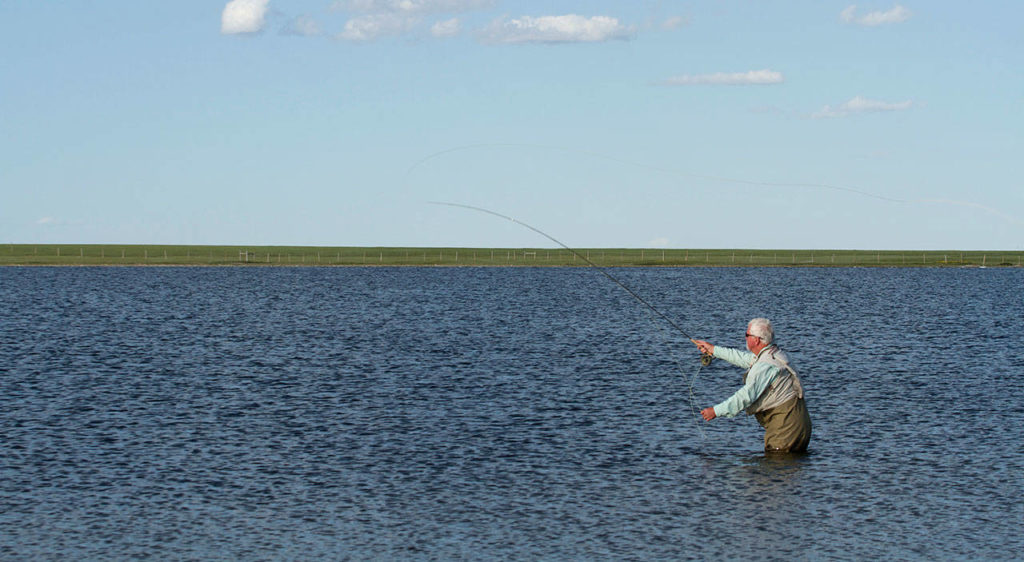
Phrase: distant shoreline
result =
(328, 256)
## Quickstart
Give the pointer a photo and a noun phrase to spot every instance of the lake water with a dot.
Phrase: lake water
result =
(439, 413)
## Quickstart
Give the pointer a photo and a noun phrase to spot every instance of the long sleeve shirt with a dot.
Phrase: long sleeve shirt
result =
(760, 376)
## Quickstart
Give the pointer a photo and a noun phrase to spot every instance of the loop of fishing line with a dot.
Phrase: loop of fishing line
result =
(693, 399)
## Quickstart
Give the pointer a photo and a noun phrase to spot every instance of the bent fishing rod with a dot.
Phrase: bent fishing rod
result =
(705, 359)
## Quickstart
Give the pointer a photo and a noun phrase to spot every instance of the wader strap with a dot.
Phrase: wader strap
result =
(796, 378)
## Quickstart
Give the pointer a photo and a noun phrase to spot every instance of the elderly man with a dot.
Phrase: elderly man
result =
(771, 390)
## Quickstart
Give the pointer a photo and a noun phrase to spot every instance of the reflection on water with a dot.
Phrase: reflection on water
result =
(501, 413)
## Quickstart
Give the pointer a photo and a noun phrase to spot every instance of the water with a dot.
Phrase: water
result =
(426, 413)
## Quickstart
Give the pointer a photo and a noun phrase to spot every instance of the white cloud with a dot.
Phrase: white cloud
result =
(860, 104)
(373, 26)
(658, 243)
(752, 77)
(569, 28)
(302, 25)
(243, 16)
(897, 14)
(46, 220)
(410, 7)
(447, 28)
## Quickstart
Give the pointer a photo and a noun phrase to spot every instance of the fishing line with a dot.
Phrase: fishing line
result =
(704, 360)
(577, 254)
(693, 398)
(720, 179)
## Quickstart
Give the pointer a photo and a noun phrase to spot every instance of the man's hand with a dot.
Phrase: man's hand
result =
(704, 347)
(708, 413)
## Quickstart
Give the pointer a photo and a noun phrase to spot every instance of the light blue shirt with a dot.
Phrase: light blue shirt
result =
(761, 375)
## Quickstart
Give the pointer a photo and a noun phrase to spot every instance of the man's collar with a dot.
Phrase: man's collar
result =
(765, 348)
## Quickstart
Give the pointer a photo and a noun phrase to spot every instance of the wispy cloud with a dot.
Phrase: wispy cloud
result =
(897, 14)
(243, 17)
(752, 77)
(410, 7)
(303, 26)
(446, 28)
(860, 105)
(674, 22)
(569, 28)
(373, 26)
(51, 222)
(387, 18)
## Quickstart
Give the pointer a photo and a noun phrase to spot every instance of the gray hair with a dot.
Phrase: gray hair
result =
(762, 328)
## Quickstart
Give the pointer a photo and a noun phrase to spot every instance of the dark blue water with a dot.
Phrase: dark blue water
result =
(205, 413)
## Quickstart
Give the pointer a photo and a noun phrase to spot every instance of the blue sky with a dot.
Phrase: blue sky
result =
(719, 124)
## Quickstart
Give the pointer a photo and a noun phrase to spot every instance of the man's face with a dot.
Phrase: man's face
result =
(751, 340)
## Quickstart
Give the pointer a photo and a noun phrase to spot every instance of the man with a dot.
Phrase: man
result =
(771, 390)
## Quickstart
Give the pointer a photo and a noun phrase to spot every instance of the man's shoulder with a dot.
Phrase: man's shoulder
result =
(773, 359)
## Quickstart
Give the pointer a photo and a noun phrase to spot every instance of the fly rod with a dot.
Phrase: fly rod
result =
(705, 359)
(577, 254)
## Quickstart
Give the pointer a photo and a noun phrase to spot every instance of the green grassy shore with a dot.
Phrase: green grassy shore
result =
(93, 254)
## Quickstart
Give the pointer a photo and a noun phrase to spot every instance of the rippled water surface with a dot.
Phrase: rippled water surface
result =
(502, 413)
